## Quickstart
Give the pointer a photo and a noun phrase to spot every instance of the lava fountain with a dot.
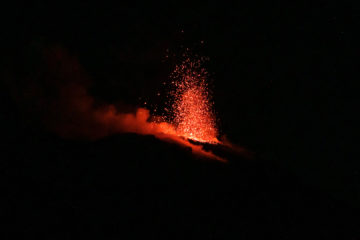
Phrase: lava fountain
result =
(192, 108)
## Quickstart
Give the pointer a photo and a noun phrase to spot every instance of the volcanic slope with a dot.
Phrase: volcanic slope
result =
(139, 186)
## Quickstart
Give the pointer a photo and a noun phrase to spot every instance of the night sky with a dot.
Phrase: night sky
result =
(280, 75)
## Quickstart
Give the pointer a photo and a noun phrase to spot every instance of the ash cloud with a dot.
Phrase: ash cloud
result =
(55, 92)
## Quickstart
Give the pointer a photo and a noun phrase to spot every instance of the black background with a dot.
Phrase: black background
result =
(279, 75)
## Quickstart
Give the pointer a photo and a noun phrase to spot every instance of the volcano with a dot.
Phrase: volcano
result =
(126, 176)
(83, 157)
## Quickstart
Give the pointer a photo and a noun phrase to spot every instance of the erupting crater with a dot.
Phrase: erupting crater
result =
(192, 109)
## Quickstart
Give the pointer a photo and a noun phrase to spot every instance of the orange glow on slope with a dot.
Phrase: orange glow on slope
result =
(192, 108)
(139, 123)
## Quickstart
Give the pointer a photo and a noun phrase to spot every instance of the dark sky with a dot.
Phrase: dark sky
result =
(279, 71)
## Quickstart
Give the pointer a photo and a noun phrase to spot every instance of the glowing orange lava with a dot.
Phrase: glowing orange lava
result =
(192, 109)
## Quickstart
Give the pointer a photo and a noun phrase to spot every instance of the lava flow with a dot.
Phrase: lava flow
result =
(192, 113)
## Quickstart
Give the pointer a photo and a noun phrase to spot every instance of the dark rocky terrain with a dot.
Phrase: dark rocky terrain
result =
(141, 187)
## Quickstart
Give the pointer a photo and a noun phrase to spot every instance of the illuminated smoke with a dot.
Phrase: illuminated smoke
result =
(60, 100)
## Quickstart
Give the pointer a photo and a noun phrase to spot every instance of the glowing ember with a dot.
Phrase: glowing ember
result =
(192, 108)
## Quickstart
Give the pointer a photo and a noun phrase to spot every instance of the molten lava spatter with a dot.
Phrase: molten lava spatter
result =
(192, 107)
